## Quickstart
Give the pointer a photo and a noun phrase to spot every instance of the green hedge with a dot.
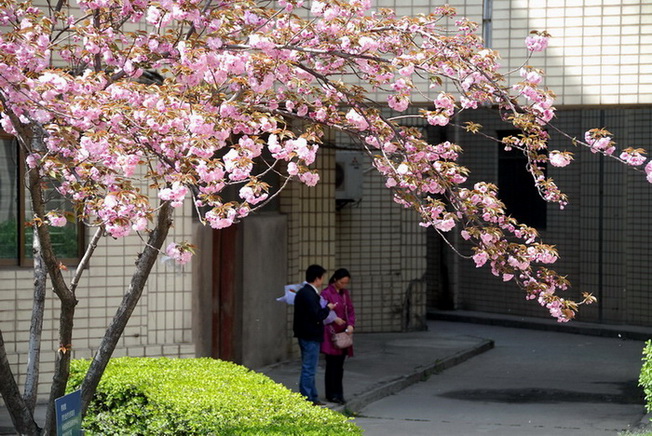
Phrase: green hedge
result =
(645, 379)
(147, 396)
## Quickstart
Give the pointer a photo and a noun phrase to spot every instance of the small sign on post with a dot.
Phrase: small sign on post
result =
(68, 413)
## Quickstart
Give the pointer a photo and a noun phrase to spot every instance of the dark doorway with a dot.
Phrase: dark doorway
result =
(516, 187)
(225, 304)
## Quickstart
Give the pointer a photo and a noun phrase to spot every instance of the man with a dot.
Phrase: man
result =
(309, 316)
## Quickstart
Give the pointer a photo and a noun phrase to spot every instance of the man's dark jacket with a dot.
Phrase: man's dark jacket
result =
(309, 315)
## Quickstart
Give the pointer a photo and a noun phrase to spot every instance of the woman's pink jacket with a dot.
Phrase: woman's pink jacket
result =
(344, 310)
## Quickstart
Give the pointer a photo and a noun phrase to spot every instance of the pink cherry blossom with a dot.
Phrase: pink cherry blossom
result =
(178, 253)
(559, 159)
(56, 220)
(357, 120)
(530, 75)
(468, 103)
(480, 258)
(117, 231)
(250, 195)
(398, 102)
(445, 225)
(437, 119)
(176, 193)
(632, 157)
(648, 171)
(536, 42)
(139, 223)
(309, 178)
(599, 142)
(220, 220)
(293, 169)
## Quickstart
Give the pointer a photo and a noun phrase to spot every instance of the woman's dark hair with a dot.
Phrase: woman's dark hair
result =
(339, 274)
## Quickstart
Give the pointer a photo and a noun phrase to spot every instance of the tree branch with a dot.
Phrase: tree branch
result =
(67, 298)
(86, 259)
(21, 417)
(36, 327)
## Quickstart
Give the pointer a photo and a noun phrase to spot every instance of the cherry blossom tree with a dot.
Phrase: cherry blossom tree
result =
(189, 95)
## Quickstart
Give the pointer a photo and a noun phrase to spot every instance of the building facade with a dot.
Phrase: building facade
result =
(598, 63)
(223, 304)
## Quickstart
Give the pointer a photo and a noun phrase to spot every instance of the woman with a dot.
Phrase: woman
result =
(337, 293)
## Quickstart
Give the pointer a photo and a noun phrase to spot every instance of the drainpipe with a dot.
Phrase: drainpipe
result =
(601, 228)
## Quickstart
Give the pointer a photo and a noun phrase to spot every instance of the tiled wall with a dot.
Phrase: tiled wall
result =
(311, 220)
(159, 326)
(600, 51)
(375, 239)
(383, 247)
(602, 235)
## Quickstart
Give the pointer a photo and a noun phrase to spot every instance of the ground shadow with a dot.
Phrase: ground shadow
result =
(630, 393)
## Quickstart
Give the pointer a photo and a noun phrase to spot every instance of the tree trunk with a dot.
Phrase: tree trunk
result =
(59, 286)
(62, 363)
(144, 265)
(21, 416)
(36, 327)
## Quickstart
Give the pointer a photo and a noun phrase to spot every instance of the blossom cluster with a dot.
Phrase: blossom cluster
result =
(216, 95)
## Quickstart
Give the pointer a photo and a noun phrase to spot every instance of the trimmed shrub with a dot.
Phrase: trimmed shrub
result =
(161, 396)
(645, 379)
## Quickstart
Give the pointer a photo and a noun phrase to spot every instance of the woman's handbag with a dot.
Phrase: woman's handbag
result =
(342, 340)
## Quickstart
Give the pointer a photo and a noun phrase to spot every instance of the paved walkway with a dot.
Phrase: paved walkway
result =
(532, 383)
(385, 363)
(388, 362)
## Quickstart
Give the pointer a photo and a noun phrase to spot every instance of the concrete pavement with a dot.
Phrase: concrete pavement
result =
(386, 363)
(532, 383)
(546, 324)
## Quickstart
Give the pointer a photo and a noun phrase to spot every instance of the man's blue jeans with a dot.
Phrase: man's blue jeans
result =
(309, 362)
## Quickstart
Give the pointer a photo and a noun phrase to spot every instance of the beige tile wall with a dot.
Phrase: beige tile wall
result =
(311, 220)
(160, 325)
(600, 51)
(383, 247)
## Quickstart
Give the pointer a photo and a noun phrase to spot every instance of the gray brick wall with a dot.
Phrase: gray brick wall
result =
(602, 235)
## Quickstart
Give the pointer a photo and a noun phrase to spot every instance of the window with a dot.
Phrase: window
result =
(15, 214)
(516, 187)
(9, 181)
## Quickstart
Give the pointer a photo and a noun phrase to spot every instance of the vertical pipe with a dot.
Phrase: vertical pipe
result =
(487, 25)
(601, 228)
